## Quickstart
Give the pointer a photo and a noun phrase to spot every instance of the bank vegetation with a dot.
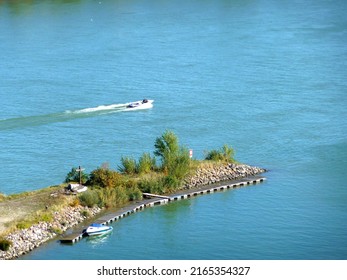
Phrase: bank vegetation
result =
(165, 171)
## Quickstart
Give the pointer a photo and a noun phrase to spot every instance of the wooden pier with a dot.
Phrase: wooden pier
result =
(118, 214)
(72, 237)
(155, 195)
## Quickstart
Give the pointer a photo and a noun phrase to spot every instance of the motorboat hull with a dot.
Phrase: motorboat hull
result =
(143, 104)
(97, 229)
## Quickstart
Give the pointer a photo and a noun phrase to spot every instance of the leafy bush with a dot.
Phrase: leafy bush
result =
(175, 159)
(166, 148)
(171, 183)
(5, 244)
(104, 178)
(111, 197)
(134, 194)
(214, 155)
(179, 167)
(128, 165)
(90, 198)
(225, 154)
(146, 164)
(120, 195)
(151, 186)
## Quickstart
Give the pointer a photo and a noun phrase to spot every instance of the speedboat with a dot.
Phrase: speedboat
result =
(143, 104)
(97, 229)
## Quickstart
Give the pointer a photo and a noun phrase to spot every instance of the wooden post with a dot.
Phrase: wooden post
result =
(80, 172)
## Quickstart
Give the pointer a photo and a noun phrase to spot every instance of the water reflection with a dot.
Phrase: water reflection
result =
(97, 240)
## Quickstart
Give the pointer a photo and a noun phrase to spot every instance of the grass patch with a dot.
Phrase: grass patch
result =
(43, 217)
(24, 224)
(57, 230)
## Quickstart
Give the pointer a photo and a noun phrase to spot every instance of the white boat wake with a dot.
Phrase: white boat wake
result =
(29, 121)
(100, 108)
(137, 105)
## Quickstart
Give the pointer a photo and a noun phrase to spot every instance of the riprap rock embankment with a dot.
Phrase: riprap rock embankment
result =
(212, 174)
(26, 240)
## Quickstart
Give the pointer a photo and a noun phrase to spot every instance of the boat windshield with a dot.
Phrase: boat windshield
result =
(96, 225)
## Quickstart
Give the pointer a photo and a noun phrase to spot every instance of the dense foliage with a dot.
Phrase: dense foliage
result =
(104, 178)
(109, 188)
(75, 176)
(225, 154)
(174, 158)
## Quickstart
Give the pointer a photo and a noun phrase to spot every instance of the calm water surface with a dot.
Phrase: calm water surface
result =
(266, 77)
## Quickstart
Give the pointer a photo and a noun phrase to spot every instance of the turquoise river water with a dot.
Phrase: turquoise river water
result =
(266, 77)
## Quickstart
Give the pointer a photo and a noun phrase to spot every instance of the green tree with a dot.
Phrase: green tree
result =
(175, 159)
(179, 164)
(166, 148)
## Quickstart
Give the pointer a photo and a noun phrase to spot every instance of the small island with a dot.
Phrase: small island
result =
(29, 219)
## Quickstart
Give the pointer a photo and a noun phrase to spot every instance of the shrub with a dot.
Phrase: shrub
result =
(104, 178)
(171, 183)
(115, 196)
(128, 165)
(134, 194)
(146, 164)
(120, 195)
(5, 244)
(225, 154)
(179, 166)
(175, 159)
(107, 197)
(166, 148)
(228, 153)
(90, 198)
(151, 186)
